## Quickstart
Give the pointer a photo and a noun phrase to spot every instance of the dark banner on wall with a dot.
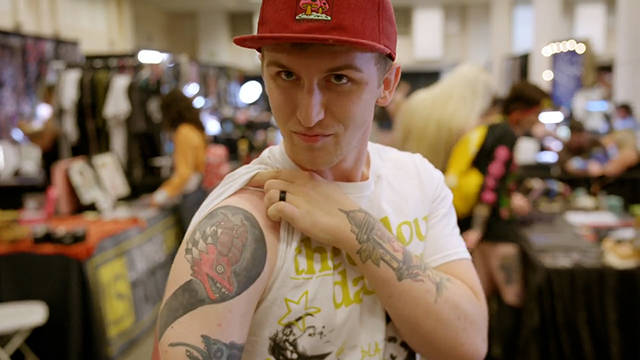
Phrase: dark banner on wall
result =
(568, 68)
(128, 274)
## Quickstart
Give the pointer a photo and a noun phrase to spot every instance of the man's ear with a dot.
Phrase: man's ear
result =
(389, 85)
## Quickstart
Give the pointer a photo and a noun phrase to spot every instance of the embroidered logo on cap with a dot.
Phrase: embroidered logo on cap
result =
(314, 10)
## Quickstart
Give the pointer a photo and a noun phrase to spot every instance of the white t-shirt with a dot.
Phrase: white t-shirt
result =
(318, 304)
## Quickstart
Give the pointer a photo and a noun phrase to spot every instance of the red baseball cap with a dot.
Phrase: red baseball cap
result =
(366, 24)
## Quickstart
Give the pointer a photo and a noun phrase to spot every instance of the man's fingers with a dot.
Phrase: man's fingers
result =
(277, 185)
(282, 211)
(261, 178)
(273, 196)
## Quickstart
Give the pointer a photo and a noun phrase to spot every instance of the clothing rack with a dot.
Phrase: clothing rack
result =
(112, 61)
(29, 58)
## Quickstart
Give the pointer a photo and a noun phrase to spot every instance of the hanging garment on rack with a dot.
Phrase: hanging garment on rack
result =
(68, 97)
(117, 108)
(101, 79)
(85, 114)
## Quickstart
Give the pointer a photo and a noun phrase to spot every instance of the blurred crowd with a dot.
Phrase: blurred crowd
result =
(471, 135)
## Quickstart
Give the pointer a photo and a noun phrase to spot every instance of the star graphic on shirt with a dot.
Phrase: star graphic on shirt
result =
(297, 311)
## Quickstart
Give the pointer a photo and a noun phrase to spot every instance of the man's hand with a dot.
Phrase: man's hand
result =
(594, 169)
(520, 204)
(472, 237)
(313, 205)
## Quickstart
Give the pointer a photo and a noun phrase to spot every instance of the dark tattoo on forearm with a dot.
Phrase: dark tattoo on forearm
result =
(377, 245)
(227, 253)
(213, 350)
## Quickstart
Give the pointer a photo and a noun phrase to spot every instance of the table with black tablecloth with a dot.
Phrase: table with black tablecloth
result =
(102, 294)
(627, 185)
(575, 307)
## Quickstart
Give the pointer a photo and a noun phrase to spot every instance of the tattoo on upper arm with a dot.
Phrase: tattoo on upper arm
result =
(227, 252)
(213, 350)
(377, 244)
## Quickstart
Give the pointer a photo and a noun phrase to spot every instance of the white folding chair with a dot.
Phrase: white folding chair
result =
(17, 321)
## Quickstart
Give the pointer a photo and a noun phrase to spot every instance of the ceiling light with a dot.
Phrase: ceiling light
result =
(547, 75)
(250, 92)
(564, 46)
(190, 90)
(151, 57)
(198, 102)
(551, 117)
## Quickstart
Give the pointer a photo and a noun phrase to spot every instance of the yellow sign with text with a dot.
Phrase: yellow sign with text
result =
(116, 296)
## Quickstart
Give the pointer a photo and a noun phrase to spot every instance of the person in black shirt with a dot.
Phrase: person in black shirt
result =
(481, 175)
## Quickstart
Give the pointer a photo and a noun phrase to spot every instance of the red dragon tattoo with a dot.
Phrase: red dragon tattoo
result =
(214, 251)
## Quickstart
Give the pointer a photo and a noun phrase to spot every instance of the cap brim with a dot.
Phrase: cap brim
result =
(256, 42)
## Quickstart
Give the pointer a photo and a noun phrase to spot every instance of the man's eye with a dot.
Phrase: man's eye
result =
(339, 79)
(287, 75)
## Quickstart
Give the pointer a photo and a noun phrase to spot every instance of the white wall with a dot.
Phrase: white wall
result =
(7, 15)
(100, 26)
(590, 23)
(478, 34)
(151, 24)
(523, 29)
(466, 39)
(215, 46)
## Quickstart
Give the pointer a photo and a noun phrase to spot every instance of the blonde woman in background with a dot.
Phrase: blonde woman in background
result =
(433, 119)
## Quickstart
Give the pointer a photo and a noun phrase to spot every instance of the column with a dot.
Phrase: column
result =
(8, 18)
(500, 22)
(550, 25)
(626, 82)
(478, 31)
(214, 37)
(215, 44)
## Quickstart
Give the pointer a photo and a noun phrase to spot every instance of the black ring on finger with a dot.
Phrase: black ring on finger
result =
(283, 195)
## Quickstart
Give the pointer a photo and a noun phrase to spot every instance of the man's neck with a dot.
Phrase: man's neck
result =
(353, 168)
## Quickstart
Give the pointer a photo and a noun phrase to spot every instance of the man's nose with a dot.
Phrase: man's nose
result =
(311, 105)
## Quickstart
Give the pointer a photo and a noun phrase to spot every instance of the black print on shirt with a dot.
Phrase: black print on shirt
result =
(289, 343)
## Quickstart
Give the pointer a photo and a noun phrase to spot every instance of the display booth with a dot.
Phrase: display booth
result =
(103, 293)
(82, 147)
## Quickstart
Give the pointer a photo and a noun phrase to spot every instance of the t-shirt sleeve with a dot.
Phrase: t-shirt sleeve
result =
(443, 240)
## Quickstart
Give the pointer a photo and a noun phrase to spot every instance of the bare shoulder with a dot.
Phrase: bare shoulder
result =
(222, 267)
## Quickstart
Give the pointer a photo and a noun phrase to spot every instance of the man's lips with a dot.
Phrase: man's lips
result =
(311, 138)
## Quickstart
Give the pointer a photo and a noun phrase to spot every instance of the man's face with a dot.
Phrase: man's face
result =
(578, 142)
(621, 113)
(323, 99)
(529, 118)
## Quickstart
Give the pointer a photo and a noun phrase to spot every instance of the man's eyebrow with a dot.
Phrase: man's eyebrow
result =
(340, 68)
(345, 67)
(278, 64)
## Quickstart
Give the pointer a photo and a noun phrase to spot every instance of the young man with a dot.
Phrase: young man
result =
(326, 247)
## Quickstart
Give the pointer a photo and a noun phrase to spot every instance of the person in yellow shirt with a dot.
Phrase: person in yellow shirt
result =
(189, 139)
